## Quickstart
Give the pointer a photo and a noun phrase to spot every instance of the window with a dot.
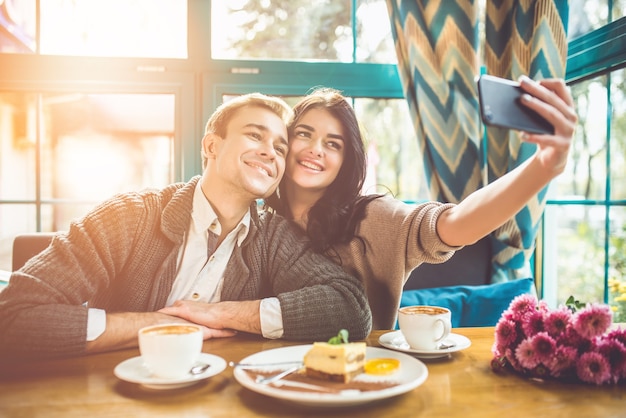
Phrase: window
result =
(394, 162)
(113, 28)
(69, 151)
(581, 252)
(588, 15)
(18, 26)
(322, 30)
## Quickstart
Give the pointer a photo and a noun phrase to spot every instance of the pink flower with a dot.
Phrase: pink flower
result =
(556, 322)
(615, 353)
(506, 333)
(533, 323)
(511, 315)
(535, 341)
(495, 350)
(593, 368)
(511, 358)
(543, 346)
(542, 306)
(618, 334)
(564, 359)
(522, 304)
(593, 320)
(526, 355)
(574, 339)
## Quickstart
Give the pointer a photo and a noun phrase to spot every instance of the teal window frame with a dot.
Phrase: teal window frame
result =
(595, 54)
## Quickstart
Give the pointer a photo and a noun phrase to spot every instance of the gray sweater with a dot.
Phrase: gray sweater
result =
(121, 257)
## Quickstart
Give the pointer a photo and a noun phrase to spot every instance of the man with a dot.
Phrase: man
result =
(94, 287)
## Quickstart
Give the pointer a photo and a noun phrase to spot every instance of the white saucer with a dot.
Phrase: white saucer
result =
(134, 371)
(395, 340)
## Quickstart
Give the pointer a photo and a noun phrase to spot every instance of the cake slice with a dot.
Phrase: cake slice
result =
(335, 362)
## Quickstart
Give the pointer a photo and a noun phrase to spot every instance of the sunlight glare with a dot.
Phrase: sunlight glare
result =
(124, 28)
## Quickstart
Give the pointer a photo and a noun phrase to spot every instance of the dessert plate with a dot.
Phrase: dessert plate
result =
(395, 340)
(410, 374)
(133, 370)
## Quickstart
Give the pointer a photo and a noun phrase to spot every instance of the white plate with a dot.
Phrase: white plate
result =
(134, 371)
(410, 375)
(395, 340)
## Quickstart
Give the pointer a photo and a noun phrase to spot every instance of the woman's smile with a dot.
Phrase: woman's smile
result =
(311, 165)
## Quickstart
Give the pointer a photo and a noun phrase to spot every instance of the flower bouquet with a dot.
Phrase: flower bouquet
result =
(572, 343)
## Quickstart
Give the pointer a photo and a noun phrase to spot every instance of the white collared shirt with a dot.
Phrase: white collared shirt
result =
(199, 278)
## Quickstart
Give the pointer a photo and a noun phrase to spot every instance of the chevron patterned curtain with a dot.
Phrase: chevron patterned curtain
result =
(437, 44)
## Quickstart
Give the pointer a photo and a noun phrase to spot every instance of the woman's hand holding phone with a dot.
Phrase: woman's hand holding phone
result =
(542, 110)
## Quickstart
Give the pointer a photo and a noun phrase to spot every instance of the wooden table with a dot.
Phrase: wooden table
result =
(460, 386)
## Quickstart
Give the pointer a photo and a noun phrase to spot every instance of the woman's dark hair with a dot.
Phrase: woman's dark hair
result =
(334, 217)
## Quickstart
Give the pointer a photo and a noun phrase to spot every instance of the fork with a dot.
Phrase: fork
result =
(261, 365)
(274, 378)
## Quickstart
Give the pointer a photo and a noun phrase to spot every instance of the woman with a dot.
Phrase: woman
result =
(380, 239)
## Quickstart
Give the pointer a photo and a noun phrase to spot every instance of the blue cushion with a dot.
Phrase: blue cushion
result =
(471, 306)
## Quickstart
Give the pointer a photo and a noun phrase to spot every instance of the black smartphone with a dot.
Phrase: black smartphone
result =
(500, 106)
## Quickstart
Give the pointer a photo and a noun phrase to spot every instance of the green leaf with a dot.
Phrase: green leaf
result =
(574, 304)
(341, 338)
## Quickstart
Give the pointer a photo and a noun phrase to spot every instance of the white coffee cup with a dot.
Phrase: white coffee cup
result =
(170, 350)
(424, 327)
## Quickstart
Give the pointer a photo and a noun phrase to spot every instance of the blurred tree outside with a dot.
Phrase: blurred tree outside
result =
(288, 29)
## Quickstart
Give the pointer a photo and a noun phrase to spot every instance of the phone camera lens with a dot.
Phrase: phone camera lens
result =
(488, 115)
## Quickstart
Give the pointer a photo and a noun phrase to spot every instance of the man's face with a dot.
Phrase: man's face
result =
(251, 158)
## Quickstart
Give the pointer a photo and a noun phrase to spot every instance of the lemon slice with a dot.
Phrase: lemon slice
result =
(381, 366)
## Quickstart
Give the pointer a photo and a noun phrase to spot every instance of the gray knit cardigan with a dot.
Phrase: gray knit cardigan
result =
(121, 257)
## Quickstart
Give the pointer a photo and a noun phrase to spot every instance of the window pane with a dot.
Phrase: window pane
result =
(374, 38)
(18, 25)
(18, 136)
(617, 264)
(618, 135)
(114, 28)
(318, 30)
(586, 16)
(585, 174)
(394, 161)
(574, 253)
(101, 144)
(90, 145)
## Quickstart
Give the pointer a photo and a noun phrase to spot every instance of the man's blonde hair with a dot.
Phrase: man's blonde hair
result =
(218, 122)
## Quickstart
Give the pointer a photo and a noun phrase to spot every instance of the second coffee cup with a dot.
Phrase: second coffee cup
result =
(170, 350)
(424, 327)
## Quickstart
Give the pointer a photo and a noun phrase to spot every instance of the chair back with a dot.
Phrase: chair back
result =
(26, 246)
(469, 266)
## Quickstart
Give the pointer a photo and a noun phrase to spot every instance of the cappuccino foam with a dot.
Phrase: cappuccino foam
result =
(423, 310)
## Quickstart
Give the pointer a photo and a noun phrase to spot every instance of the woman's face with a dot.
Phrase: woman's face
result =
(316, 150)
